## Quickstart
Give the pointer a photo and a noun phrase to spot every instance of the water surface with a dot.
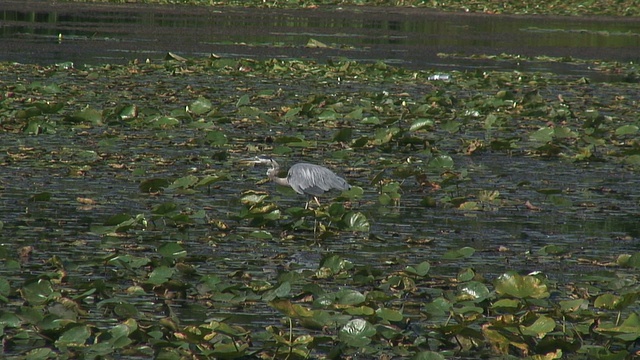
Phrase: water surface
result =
(44, 32)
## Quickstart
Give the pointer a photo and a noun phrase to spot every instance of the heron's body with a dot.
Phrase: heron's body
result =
(304, 178)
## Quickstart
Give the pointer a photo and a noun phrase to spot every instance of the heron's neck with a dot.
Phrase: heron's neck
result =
(273, 175)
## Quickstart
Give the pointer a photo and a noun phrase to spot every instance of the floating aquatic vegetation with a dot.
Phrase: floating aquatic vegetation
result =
(137, 232)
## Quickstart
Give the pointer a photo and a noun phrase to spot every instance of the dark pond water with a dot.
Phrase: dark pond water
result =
(46, 32)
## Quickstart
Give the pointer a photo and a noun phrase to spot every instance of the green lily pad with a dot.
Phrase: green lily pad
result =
(421, 269)
(228, 351)
(164, 122)
(573, 305)
(49, 107)
(615, 302)
(163, 209)
(506, 303)
(355, 114)
(37, 292)
(328, 115)
(292, 113)
(283, 290)
(441, 163)
(153, 185)
(633, 261)
(43, 196)
(40, 354)
(343, 135)
(76, 336)
(544, 134)
(356, 221)
(632, 160)
(5, 289)
(9, 320)
(628, 330)
(201, 106)
(172, 250)
(438, 307)
(542, 326)
(183, 182)
(389, 314)
(216, 138)
(553, 250)
(86, 115)
(356, 333)
(428, 355)
(627, 130)
(253, 199)
(461, 253)
(243, 101)
(126, 310)
(128, 112)
(161, 275)
(466, 275)
(313, 43)
(129, 261)
(360, 311)
(451, 126)
(336, 264)
(473, 290)
(211, 179)
(421, 124)
(349, 297)
(521, 287)
(286, 307)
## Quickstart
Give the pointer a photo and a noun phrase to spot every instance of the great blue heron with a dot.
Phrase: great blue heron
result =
(304, 178)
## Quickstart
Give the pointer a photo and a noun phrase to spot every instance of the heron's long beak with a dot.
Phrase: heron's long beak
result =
(251, 160)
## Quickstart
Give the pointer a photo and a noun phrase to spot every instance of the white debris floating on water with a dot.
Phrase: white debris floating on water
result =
(439, 77)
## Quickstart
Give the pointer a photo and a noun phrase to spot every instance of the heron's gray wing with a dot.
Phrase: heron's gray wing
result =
(314, 179)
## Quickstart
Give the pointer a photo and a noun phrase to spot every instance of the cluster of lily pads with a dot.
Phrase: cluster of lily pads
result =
(129, 305)
(138, 235)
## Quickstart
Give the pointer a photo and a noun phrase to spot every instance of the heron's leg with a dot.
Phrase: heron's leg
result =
(315, 228)
(312, 198)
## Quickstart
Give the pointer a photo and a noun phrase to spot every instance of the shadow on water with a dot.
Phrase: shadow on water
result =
(98, 33)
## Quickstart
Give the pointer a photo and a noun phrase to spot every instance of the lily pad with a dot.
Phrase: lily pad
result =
(464, 252)
(76, 336)
(521, 287)
(421, 269)
(201, 106)
(356, 333)
(356, 221)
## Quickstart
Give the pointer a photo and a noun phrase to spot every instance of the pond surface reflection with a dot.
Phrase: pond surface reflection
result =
(41, 32)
